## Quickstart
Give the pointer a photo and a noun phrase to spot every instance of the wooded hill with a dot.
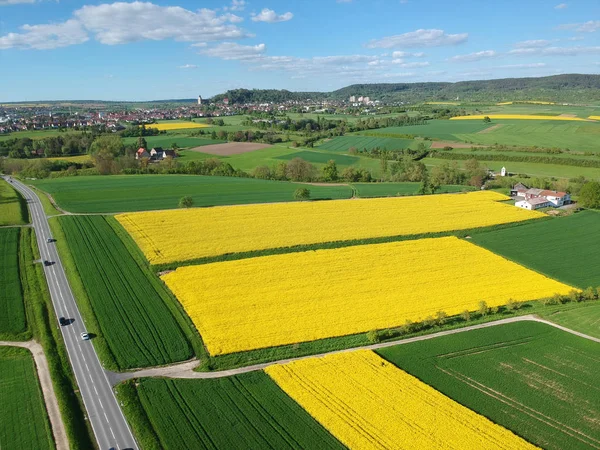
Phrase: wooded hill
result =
(572, 88)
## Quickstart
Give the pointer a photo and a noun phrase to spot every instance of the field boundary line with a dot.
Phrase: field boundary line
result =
(186, 370)
(50, 401)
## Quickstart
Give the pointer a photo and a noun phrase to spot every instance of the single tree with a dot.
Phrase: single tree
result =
(330, 172)
(589, 195)
(301, 194)
(186, 202)
(487, 119)
(483, 309)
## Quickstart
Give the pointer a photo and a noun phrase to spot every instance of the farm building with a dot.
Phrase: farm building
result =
(538, 198)
(156, 154)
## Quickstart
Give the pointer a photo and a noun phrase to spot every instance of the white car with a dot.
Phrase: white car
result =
(85, 336)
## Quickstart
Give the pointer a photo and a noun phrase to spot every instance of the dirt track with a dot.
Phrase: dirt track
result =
(41, 363)
(490, 129)
(186, 369)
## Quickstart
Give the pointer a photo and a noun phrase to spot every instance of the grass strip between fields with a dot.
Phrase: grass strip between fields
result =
(337, 244)
(13, 321)
(13, 207)
(42, 320)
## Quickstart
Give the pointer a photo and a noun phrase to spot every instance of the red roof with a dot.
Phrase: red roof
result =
(547, 193)
(141, 150)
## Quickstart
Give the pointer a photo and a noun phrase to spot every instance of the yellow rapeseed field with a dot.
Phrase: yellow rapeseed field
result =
(186, 234)
(297, 297)
(166, 126)
(594, 117)
(517, 116)
(368, 403)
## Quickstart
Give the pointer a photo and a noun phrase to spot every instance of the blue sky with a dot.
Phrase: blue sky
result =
(68, 49)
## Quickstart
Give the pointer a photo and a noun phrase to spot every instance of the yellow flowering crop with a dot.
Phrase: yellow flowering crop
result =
(166, 126)
(517, 116)
(368, 403)
(594, 117)
(284, 299)
(185, 234)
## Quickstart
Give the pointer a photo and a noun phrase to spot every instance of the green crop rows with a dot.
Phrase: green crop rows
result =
(23, 420)
(167, 141)
(565, 248)
(395, 189)
(13, 209)
(120, 193)
(344, 143)
(12, 308)
(538, 381)
(438, 129)
(130, 310)
(585, 319)
(245, 411)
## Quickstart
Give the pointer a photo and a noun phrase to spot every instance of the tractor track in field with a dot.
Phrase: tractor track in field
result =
(186, 370)
(50, 401)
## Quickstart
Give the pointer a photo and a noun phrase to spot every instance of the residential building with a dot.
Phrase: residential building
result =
(538, 198)
(142, 153)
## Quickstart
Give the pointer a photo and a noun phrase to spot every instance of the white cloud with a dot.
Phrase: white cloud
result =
(561, 6)
(270, 16)
(15, 2)
(419, 38)
(236, 5)
(522, 66)
(120, 23)
(477, 56)
(188, 66)
(555, 51)
(401, 63)
(586, 27)
(398, 54)
(44, 37)
(533, 43)
(343, 59)
(233, 51)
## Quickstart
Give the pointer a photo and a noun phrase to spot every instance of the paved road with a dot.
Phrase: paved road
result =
(105, 415)
(186, 369)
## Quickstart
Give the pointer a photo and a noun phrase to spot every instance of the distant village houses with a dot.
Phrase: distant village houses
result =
(156, 154)
(533, 199)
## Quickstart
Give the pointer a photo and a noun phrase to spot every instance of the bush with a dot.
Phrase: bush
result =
(301, 194)
(373, 336)
(186, 202)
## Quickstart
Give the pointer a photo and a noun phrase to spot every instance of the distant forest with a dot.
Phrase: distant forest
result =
(558, 88)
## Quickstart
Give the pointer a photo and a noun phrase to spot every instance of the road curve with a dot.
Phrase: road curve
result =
(186, 369)
(108, 422)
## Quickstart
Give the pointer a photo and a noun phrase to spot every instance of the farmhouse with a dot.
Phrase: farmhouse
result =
(538, 198)
(156, 154)
(142, 153)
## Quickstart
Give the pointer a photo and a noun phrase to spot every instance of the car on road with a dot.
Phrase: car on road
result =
(48, 263)
(85, 336)
(63, 321)
(49, 240)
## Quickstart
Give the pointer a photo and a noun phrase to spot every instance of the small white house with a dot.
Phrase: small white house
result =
(503, 172)
(533, 203)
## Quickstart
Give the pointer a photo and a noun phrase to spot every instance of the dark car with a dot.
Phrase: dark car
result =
(63, 321)
(47, 263)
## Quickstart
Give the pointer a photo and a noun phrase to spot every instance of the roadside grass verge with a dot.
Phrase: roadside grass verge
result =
(47, 204)
(42, 320)
(13, 207)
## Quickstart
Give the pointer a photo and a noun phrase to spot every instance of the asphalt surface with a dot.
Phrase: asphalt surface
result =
(108, 422)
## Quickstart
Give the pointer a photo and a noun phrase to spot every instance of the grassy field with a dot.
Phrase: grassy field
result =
(151, 192)
(535, 380)
(134, 325)
(80, 159)
(40, 134)
(23, 418)
(12, 308)
(564, 248)
(397, 189)
(246, 411)
(13, 209)
(585, 319)
(321, 157)
(344, 143)
(581, 136)
(167, 141)
(531, 169)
